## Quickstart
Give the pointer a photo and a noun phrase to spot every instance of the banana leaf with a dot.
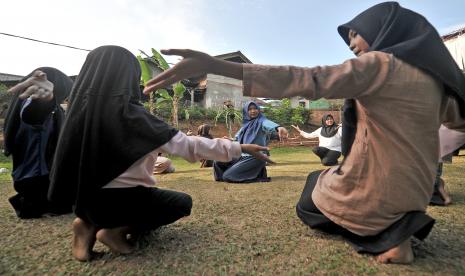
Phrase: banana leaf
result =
(164, 94)
(145, 70)
(179, 89)
(160, 60)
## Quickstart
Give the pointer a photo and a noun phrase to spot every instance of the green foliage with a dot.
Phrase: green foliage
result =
(5, 96)
(146, 72)
(179, 90)
(285, 115)
(229, 116)
(164, 98)
(160, 60)
(197, 113)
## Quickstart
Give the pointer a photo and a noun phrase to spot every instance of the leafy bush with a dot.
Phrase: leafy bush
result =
(163, 111)
(197, 113)
(285, 115)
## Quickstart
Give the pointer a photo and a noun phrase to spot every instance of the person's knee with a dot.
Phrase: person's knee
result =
(328, 162)
(185, 204)
(229, 177)
(182, 203)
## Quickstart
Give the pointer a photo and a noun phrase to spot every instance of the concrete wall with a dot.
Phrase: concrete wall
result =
(221, 89)
(456, 47)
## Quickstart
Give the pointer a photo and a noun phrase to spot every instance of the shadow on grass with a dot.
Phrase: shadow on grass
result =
(191, 171)
(278, 163)
(285, 178)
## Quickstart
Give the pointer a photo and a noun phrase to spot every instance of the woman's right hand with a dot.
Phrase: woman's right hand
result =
(296, 128)
(255, 151)
(193, 64)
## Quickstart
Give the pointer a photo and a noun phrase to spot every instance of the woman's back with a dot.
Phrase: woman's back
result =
(394, 154)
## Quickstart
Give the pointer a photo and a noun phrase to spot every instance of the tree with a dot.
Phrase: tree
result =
(165, 98)
(230, 116)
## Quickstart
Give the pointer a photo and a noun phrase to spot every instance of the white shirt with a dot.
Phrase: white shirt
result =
(331, 143)
(191, 148)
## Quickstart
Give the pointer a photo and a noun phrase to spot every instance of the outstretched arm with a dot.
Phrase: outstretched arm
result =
(194, 148)
(306, 134)
(194, 64)
(39, 92)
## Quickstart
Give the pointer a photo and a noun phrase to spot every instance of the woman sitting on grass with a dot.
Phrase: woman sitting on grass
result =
(31, 132)
(329, 140)
(106, 154)
(256, 129)
(204, 131)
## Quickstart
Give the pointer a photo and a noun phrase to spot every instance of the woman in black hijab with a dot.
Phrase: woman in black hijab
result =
(31, 130)
(329, 140)
(106, 153)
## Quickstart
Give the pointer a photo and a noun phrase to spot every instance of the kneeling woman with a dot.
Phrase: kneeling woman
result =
(106, 154)
(31, 131)
(329, 137)
(256, 129)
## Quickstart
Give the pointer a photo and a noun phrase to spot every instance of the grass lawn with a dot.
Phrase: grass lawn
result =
(233, 229)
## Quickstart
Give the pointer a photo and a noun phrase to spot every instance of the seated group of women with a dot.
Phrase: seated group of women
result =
(376, 198)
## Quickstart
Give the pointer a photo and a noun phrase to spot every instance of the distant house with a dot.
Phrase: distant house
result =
(9, 80)
(455, 43)
(219, 89)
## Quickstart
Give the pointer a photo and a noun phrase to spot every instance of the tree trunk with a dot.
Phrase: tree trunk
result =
(151, 103)
(191, 91)
(175, 112)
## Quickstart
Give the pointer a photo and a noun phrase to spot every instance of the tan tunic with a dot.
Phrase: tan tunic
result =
(393, 161)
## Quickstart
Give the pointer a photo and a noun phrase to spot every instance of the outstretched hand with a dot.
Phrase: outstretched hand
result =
(193, 64)
(37, 87)
(255, 151)
(296, 128)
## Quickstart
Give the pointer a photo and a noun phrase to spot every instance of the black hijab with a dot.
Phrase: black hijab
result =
(204, 131)
(106, 130)
(328, 131)
(62, 85)
(390, 28)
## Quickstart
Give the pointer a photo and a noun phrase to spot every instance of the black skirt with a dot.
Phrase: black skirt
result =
(415, 223)
(140, 207)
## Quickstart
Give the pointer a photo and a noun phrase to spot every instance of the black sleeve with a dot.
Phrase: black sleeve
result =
(36, 111)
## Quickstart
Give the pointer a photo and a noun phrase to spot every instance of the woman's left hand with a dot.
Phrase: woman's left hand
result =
(255, 151)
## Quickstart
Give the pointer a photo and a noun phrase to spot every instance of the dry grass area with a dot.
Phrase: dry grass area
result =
(233, 229)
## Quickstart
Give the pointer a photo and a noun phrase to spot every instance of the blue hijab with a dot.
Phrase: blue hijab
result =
(250, 127)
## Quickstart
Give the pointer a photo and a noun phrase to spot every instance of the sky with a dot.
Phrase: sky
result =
(291, 32)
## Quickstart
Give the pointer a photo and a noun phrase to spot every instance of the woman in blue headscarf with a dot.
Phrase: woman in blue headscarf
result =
(256, 129)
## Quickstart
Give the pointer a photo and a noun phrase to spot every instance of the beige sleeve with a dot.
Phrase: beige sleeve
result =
(352, 79)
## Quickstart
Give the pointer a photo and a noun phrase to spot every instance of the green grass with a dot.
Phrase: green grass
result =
(233, 229)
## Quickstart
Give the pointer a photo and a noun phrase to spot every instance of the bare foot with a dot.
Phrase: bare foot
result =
(115, 239)
(401, 254)
(83, 240)
(444, 194)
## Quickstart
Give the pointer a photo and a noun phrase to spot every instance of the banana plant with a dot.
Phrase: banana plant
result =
(230, 116)
(158, 62)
